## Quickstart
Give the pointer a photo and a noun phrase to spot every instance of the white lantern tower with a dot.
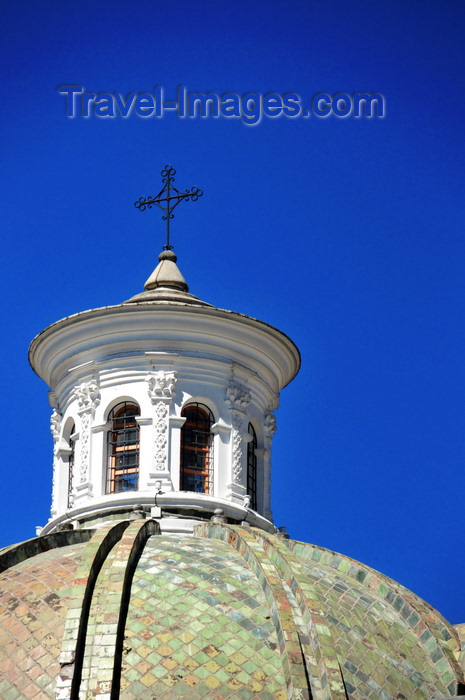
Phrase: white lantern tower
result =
(163, 401)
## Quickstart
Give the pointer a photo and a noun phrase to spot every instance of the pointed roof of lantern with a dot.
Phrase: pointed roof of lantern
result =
(167, 283)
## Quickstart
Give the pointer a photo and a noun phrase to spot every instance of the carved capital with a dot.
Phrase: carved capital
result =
(270, 424)
(237, 396)
(87, 395)
(55, 424)
(161, 384)
(237, 425)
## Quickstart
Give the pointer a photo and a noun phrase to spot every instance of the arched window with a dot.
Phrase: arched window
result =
(252, 467)
(196, 442)
(123, 448)
(71, 466)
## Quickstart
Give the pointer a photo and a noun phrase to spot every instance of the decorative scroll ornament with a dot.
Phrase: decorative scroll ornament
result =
(55, 424)
(88, 398)
(87, 395)
(161, 411)
(84, 443)
(161, 389)
(237, 396)
(267, 482)
(55, 427)
(161, 435)
(52, 507)
(161, 384)
(270, 424)
(237, 427)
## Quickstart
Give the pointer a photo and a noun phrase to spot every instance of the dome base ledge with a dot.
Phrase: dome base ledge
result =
(181, 506)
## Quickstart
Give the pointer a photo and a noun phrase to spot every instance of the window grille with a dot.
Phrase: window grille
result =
(123, 449)
(252, 467)
(71, 468)
(196, 449)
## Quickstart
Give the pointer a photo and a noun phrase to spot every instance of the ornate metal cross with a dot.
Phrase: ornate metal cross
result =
(168, 199)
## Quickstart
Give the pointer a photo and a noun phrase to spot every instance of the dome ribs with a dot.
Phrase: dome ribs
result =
(434, 635)
(310, 665)
(231, 612)
(9, 556)
(313, 614)
(131, 546)
(112, 560)
(74, 636)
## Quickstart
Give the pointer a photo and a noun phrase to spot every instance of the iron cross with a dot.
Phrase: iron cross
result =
(168, 199)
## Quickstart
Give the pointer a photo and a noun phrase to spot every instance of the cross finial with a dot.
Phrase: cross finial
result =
(168, 199)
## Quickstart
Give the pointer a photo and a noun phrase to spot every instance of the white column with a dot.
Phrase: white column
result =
(88, 397)
(221, 458)
(269, 430)
(98, 469)
(55, 427)
(145, 451)
(161, 389)
(237, 398)
(175, 425)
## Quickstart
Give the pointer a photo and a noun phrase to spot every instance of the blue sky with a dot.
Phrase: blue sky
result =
(347, 234)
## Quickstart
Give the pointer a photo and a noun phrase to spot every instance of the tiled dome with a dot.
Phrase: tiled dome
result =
(163, 406)
(231, 612)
